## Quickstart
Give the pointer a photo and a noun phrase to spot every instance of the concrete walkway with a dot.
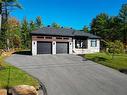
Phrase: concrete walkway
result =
(72, 75)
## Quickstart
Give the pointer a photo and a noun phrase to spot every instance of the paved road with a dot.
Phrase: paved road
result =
(72, 75)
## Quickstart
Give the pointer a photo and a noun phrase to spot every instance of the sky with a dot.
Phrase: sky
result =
(67, 13)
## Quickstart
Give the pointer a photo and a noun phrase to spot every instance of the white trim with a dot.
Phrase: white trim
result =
(70, 47)
(34, 47)
(53, 47)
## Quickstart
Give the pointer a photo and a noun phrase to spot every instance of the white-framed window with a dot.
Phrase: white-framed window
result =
(80, 44)
(93, 43)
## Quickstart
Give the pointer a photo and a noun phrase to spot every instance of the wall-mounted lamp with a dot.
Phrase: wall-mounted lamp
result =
(53, 43)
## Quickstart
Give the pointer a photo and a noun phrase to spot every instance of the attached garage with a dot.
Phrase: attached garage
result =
(49, 40)
(44, 47)
(62, 48)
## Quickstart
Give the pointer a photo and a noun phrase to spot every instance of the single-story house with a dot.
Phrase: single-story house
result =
(49, 40)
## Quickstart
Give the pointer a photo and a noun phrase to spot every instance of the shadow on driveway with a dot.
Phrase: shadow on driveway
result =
(26, 52)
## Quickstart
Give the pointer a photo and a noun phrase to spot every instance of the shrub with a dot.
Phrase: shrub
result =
(115, 47)
(0, 52)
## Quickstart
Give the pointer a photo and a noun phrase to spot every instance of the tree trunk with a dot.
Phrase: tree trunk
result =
(8, 44)
(0, 22)
(0, 15)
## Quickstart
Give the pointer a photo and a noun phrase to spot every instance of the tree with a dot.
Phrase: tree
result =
(55, 25)
(16, 41)
(85, 29)
(6, 6)
(13, 29)
(123, 17)
(99, 25)
(114, 28)
(32, 26)
(25, 34)
(39, 22)
(115, 47)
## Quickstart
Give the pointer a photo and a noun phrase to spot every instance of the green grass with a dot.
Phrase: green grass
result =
(118, 62)
(17, 76)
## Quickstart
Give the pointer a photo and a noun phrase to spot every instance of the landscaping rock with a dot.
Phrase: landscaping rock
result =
(3, 92)
(24, 90)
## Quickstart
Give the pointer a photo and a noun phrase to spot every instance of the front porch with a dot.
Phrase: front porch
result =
(85, 45)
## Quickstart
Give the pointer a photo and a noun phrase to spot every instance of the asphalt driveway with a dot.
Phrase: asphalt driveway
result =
(72, 75)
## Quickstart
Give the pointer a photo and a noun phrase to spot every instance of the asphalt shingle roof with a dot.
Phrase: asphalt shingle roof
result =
(62, 32)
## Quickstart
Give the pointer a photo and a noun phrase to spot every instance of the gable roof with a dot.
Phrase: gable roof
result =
(62, 32)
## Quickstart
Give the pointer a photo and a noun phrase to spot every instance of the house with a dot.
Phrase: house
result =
(49, 40)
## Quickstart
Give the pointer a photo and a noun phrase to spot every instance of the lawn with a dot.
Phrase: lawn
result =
(118, 62)
(12, 76)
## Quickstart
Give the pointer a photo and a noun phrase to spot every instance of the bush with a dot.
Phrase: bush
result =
(1, 51)
(1, 44)
(115, 47)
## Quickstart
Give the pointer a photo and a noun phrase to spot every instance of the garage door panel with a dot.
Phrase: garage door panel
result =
(61, 48)
(44, 48)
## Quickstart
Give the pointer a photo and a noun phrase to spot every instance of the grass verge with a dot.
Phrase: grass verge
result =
(118, 62)
(12, 76)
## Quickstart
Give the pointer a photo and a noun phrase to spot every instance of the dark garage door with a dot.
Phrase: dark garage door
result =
(44, 48)
(62, 48)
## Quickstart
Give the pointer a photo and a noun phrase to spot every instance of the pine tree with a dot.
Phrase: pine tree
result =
(32, 26)
(39, 23)
(85, 29)
(25, 33)
(123, 17)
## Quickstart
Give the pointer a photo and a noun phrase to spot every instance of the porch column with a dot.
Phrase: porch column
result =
(70, 47)
(98, 45)
(34, 47)
(73, 44)
(89, 43)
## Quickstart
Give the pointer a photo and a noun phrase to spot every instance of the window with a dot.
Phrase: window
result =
(80, 44)
(93, 43)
